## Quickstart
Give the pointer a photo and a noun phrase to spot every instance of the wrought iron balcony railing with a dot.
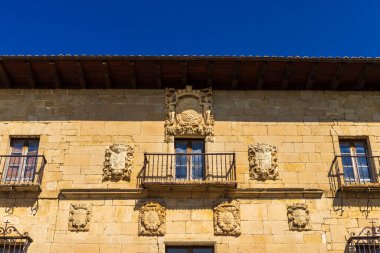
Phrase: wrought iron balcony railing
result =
(22, 169)
(189, 167)
(368, 240)
(11, 240)
(359, 170)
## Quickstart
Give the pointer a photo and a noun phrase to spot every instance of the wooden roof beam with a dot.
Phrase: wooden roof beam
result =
(311, 77)
(107, 77)
(260, 75)
(132, 69)
(54, 73)
(30, 75)
(6, 80)
(184, 73)
(209, 73)
(235, 75)
(80, 71)
(362, 79)
(286, 76)
(158, 75)
(334, 83)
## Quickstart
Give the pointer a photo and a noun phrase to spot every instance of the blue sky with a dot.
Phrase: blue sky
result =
(191, 27)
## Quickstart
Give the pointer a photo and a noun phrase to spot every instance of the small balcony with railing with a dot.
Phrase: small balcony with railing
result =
(21, 172)
(189, 170)
(357, 172)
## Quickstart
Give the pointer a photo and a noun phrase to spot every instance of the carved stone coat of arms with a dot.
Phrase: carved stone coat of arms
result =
(152, 219)
(227, 218)
(118, 162)
(262, 161)
(299, 217)
(79, 218)
(189, 113)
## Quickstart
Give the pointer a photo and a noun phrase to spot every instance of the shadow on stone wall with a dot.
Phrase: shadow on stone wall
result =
(13, 200)
(365, 201)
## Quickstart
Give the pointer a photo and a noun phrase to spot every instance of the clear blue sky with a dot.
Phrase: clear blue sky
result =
(163, 27)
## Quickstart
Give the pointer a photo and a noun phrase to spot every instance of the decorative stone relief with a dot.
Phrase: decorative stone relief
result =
(262, 161)
(227, 218)
(152, 219)
(118, 163)
(189, 113)
(299, 217)
(80, 216)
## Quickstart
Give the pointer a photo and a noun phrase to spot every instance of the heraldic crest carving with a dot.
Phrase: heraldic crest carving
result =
(118, 162)
(299, 217)
(79, 218)
(227, 218)
(152, 219)
(189, 113)
(262, 161)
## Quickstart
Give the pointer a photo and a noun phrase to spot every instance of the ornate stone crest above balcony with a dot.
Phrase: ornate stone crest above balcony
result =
(118, 163)
(227, 218)
(189, 113)
(152, 220)
(299, 217)
(80, 215)
(262, 161)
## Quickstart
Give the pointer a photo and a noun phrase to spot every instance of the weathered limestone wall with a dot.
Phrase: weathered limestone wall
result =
(76, 126)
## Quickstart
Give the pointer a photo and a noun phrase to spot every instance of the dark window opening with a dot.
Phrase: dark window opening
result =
(194, 249)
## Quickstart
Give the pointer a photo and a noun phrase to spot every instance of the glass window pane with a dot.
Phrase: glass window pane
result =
(197, 146)
(17, 146)
(197, 166)
(33, 147)
(176, 250)
(364, 174)
(202, 250)
(181, 166)
(180, 146)
(345, 148)
(360, 148)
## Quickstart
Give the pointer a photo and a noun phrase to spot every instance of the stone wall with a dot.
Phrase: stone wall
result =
(77, 126)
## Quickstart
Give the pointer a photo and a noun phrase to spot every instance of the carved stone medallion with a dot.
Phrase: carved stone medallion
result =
(118, 163)
(262, 161)
(189, 113)
(227, 218)
(299, 217)
(79, 218)
(152, 218)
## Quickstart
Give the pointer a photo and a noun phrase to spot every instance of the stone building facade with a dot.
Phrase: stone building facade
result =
(139, 168)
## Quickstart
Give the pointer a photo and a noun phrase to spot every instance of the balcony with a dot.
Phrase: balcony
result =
(21, 172)
(194, 170)
(357, 173)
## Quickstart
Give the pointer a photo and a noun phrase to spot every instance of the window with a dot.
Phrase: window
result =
(198, 249)
(189, 159)
(12, 241)
(355, 161)
(7, 247)
(367, 248)
(22, 162)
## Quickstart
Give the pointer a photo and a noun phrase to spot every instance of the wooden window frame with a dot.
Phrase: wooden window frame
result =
(351, 141)
(24, 152)
(189, 150)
